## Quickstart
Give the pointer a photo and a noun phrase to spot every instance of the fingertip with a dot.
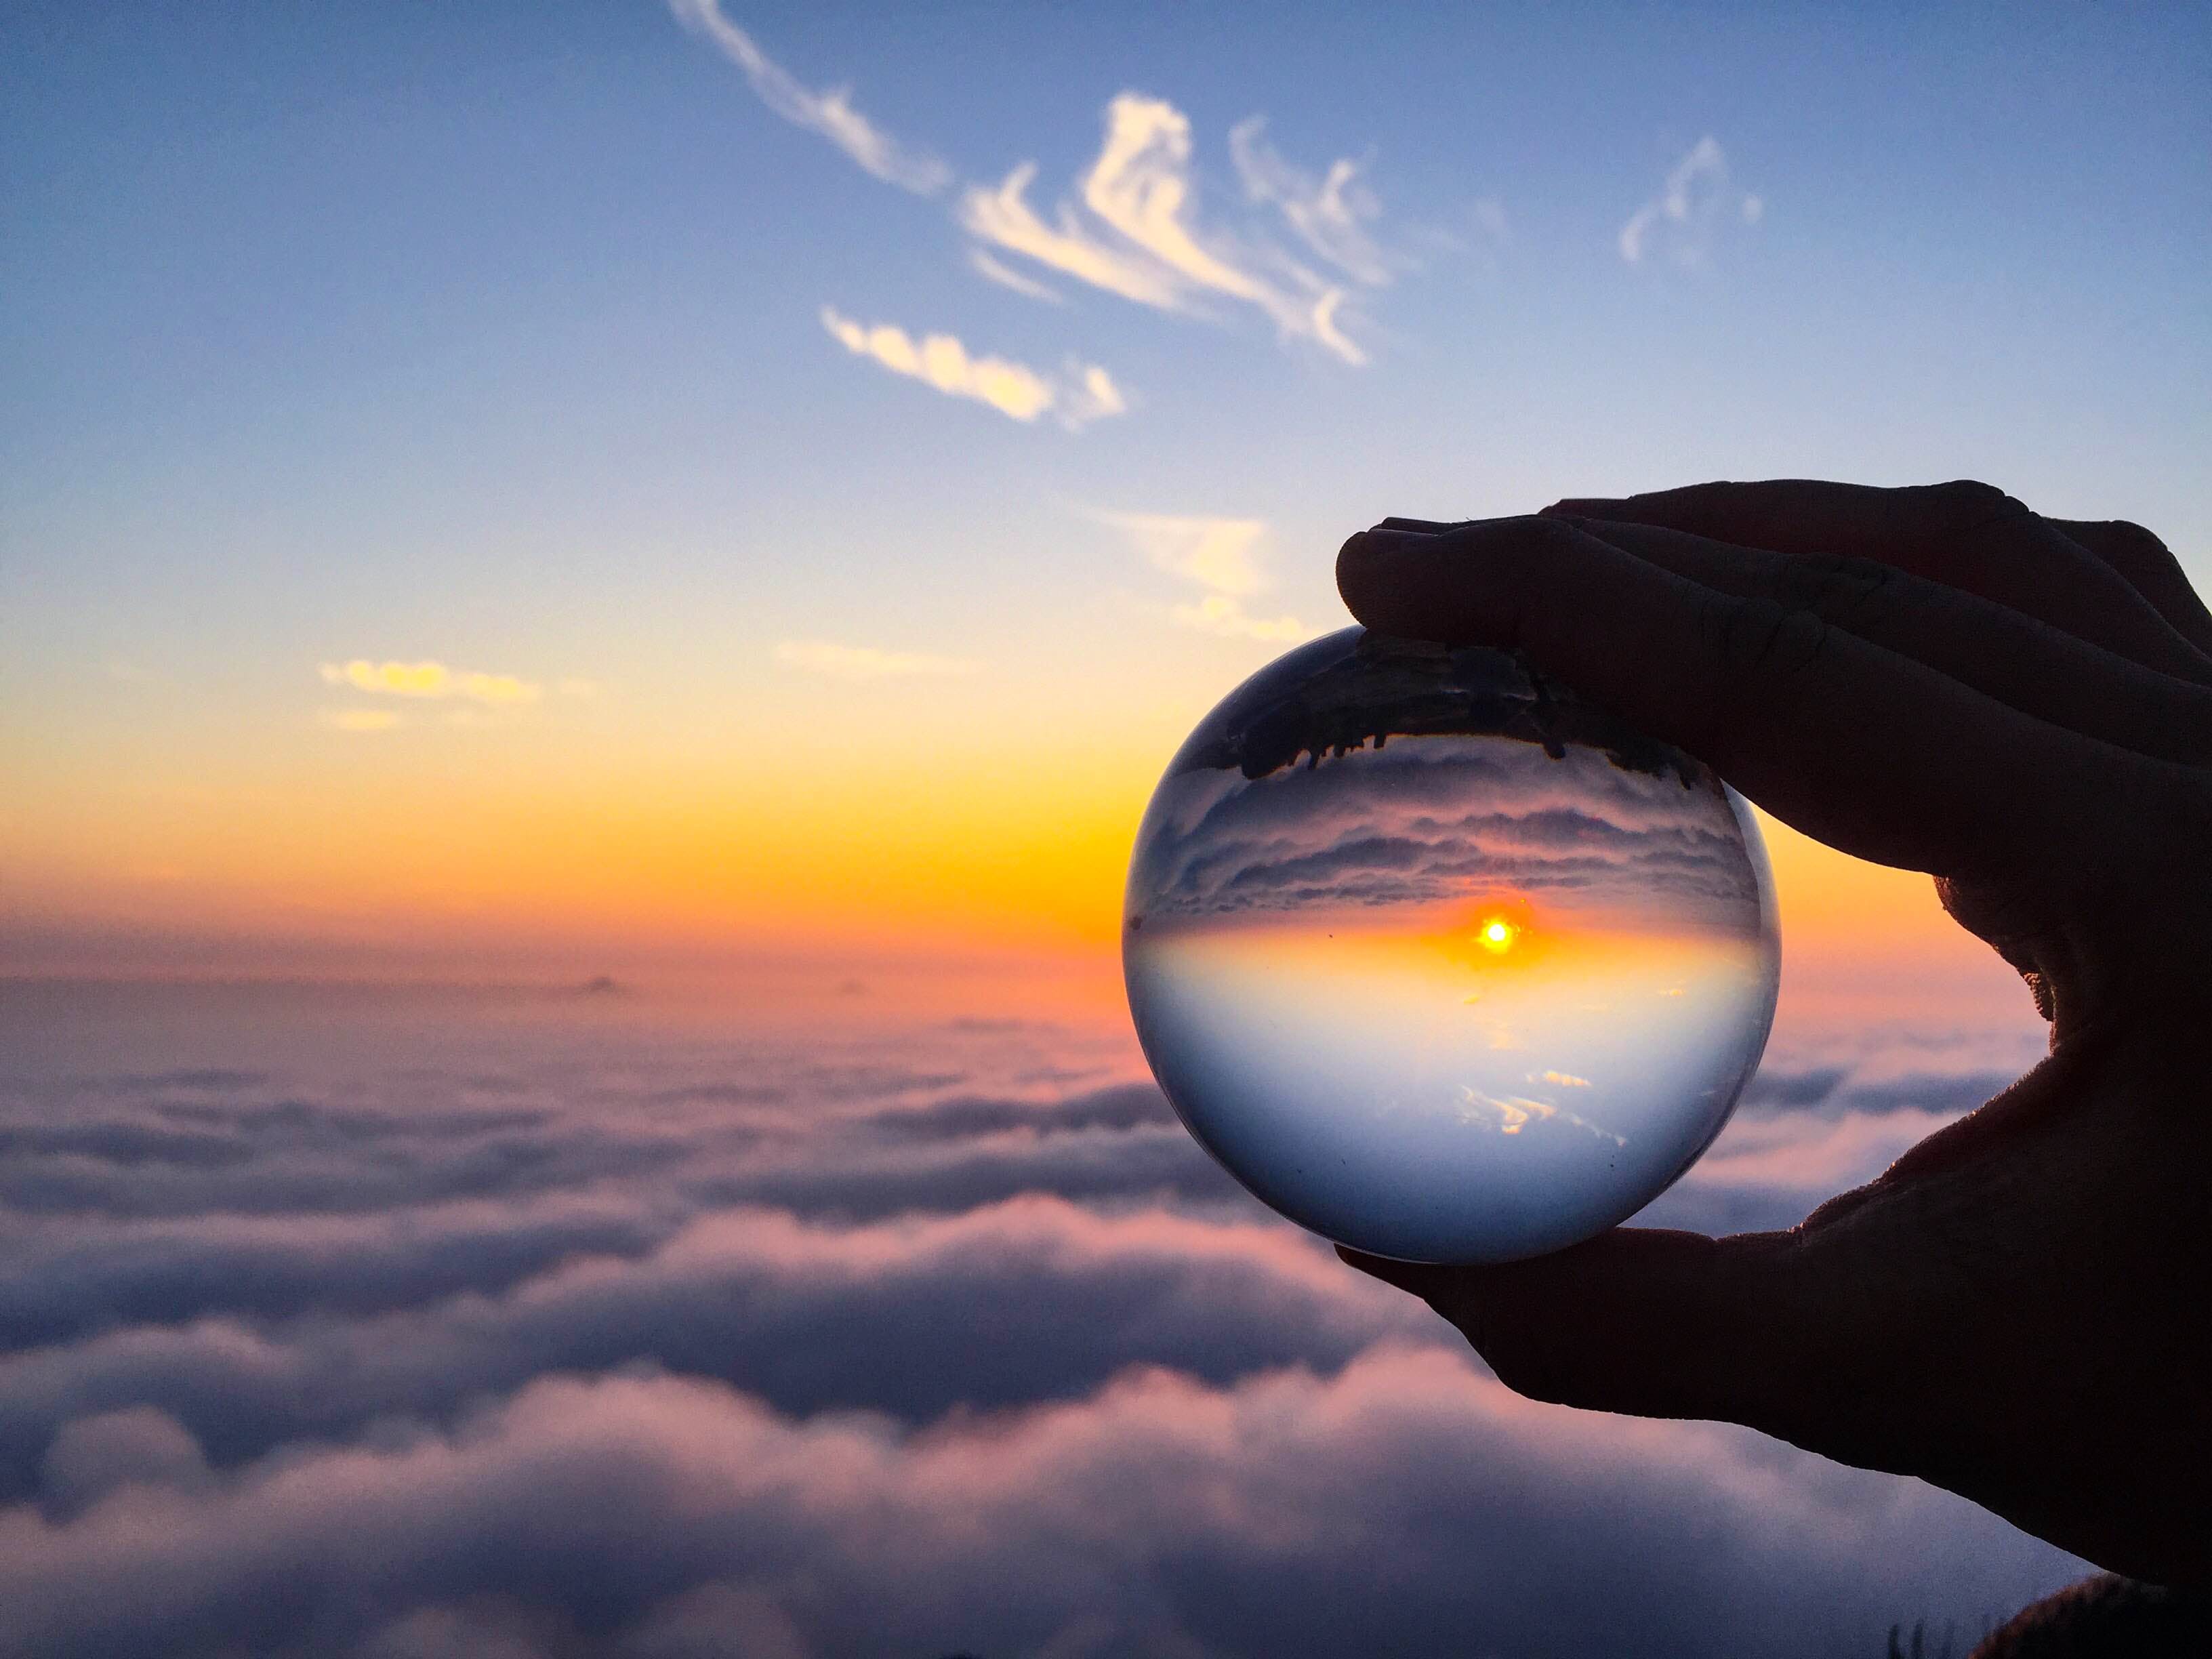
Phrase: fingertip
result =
(1367, 567)
(1446, 587)
(1579, 507)
(1374, 1267)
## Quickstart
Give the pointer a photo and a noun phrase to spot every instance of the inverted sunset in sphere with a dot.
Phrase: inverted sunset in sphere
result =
(1441, 961)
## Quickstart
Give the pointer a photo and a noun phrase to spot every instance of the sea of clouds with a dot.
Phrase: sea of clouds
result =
(399, 1324)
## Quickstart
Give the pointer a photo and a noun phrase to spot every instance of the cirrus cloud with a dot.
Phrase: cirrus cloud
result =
(830, 113)
(1135, 230)
(431, 680)
(865, 662)
(1678, 223)
(1220, 555)
(1084, 392)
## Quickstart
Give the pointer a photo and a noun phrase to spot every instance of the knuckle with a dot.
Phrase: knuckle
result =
(1703, 498)
(1965, 505)
(1963, 495)
(1847, 590)
(2129, 534)
(1759, 637)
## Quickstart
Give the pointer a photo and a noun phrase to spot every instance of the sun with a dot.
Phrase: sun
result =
(1496, 935)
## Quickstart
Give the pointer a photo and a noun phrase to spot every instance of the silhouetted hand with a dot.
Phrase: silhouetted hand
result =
(2020, 1309)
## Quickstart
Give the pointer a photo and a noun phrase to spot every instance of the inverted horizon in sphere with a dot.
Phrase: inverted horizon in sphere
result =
(1440, 961)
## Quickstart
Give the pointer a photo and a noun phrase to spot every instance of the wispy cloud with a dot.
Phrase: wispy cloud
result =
(1082, 393)
(1133, 228)
(863, 662)
(1330, 214)
(362, 719)
(1004, 216)
(1678, 224)
(1220, 555)
(993, 270)
(430, 680)
(829, 112)
(1136, 232)
(1218, 613)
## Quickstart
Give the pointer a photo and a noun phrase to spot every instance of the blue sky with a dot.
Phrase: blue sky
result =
(495, 335)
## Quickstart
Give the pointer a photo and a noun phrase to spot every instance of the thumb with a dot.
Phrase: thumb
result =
(1648, 1322)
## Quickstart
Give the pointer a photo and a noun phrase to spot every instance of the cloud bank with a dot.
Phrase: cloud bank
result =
(376, 1324)
(1288, 1513)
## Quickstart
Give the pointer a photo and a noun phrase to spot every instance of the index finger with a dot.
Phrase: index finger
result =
(1966, 535)
(1875, 754)
(2151, 568)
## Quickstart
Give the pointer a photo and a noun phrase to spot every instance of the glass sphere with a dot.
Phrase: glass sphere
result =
(1441, 961)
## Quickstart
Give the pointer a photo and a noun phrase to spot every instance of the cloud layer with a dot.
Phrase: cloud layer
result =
(383, 1323)
(1288, 1513)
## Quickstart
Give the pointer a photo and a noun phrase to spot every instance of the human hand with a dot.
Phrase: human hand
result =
(2020, 1309)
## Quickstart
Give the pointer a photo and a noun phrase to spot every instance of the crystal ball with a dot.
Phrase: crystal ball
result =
(1440, 960)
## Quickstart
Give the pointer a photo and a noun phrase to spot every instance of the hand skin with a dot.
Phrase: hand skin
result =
(2020, 1309)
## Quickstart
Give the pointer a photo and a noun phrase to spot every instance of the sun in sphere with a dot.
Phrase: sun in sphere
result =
(1497, 934)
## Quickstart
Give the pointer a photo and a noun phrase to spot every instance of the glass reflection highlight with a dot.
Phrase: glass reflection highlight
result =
(1439, 961)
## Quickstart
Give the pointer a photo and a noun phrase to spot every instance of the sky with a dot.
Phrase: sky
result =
(530, 491)
(591, 596)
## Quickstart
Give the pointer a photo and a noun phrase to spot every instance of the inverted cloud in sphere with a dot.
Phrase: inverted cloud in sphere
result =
(1422, 820)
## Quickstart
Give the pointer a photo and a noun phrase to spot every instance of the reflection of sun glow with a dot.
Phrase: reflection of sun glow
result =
(1497, 935)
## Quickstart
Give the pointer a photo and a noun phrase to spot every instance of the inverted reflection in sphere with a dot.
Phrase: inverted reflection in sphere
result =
(1441, 961)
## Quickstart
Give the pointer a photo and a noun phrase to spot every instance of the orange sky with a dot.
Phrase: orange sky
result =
(557, 849)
